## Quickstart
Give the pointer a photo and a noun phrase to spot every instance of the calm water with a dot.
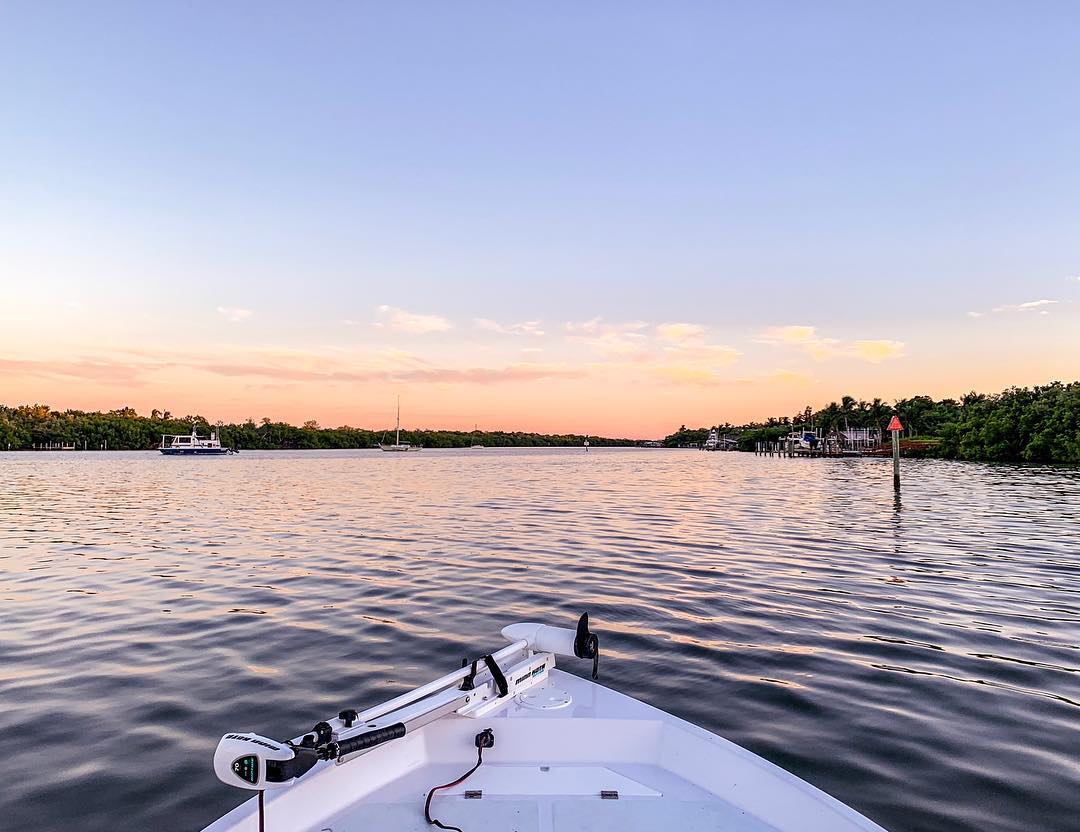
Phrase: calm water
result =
(919, 661)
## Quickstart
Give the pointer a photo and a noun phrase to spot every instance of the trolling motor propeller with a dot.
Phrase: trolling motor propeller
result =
(561, 640)
(587, 645)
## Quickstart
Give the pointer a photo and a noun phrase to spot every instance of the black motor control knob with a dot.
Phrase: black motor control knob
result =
(323, 733)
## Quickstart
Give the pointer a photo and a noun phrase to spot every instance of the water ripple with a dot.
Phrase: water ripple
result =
(916, 658)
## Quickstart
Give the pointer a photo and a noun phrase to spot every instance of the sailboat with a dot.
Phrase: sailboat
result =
(398, 444)
(476, 444)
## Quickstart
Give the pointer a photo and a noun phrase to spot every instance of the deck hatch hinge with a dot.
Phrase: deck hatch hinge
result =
(474, 794)
(609, 794)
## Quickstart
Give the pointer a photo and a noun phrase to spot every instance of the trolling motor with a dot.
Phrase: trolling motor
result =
(251, 761)
(545, 639)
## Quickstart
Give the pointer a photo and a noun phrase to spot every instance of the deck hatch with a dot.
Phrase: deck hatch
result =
(558, 781)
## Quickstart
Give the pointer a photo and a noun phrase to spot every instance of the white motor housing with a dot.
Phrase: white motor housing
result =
(543, 638)
(240, 760)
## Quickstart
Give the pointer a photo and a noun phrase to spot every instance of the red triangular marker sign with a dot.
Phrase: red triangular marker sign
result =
(895, 424)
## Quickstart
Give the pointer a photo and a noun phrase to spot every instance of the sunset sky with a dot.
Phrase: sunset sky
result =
(610, 218)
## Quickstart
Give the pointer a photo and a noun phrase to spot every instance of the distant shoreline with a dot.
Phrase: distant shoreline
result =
(39, 427)
(1021, 424)
(1039, 424)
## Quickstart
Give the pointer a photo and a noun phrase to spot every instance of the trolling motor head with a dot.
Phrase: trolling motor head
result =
(560, 640)
(250, 761)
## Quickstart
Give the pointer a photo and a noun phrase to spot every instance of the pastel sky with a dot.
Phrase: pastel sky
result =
(608, 217)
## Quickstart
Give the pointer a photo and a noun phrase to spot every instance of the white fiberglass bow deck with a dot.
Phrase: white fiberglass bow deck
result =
(542, 751)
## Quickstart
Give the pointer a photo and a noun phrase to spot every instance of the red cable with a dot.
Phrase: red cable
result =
(458, 782)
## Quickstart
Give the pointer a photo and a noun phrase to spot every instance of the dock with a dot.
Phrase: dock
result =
(850, 442)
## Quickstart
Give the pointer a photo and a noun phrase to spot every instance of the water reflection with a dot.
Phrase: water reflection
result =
(916, 658)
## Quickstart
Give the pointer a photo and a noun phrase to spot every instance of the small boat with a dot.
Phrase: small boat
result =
(193, 445)
(510, 742)
(804, 440)
(399, 446)
(713, 441)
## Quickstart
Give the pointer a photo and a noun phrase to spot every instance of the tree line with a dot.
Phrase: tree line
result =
(1021, 424)
(35, 426)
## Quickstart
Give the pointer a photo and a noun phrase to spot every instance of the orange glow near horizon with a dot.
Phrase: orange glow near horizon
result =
(635, 380)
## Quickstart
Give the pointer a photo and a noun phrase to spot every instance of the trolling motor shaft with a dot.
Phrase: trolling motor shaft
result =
(251, 761)
(361, 742)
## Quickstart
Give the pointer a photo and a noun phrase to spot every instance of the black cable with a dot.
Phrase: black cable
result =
(261, 827)
(458, 782)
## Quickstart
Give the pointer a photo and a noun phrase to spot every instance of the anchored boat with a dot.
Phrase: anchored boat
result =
(398, 445)
(193, 445)
(509, 742)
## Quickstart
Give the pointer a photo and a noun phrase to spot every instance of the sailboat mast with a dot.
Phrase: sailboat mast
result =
(397, 437)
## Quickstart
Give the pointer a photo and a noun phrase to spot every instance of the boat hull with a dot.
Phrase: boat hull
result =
(194, 451)
(571, 755)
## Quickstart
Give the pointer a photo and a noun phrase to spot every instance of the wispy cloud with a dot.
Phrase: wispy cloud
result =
(690, 363)
(414, 323)
(807, 340)
(678, 333)
(523, 328)
(876, 350)
(234, 313)
(102, 371)
(675, 351)
(789, 335)
(611, 340)
(403, 358)
(522, 371)
(598, 326)
(1038, 306)
(689, 344)
(715, 354)
(1030, 306)
(288, 366)
(788, 377)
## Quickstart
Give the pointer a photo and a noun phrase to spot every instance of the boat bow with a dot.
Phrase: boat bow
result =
(549, 752)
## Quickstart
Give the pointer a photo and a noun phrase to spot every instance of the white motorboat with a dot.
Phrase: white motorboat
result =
(398, 445)
(509, 743)
(193, 445)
